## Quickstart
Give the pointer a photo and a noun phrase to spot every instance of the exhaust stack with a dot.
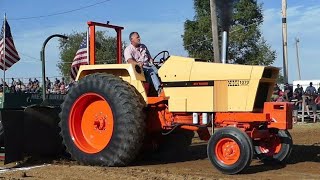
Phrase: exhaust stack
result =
(224, 47)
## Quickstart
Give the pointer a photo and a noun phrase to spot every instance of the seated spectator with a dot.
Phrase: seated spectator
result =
(29, 87)
(56, 89)
(23, 88)
(299, 90)
(297, 100)
(275, 94)
(12, 89)
(317, 102)
(288, 92)
(36, 87)
(62, 88)
(57, 81)
(48, 83)
(20, 82)
(30, 81)
(13, 82)
(36, 80)
(281, 97)
(297, 103)
(19, 87)
(62, 80)
(311, 104)
(7, 89)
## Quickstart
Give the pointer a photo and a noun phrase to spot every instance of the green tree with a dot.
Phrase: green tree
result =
(280, 79)
(246, 44)
(105, 50)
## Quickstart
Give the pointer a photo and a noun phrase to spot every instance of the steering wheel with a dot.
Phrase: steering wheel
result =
(164, 57)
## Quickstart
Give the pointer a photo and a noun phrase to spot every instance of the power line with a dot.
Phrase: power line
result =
(70, 62)
(108, 61)
(29, 61)
(219, 35)
(58, 13)
(29, 56)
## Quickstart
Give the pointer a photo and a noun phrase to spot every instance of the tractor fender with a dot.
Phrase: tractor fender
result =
(133, 74)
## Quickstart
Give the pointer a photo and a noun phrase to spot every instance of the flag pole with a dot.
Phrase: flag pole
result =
(4, 56)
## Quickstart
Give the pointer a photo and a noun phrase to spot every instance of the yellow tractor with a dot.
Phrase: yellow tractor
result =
(109, 115)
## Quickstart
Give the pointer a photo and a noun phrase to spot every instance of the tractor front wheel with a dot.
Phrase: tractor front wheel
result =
(276, 149)
(230, 150)
(102, 121)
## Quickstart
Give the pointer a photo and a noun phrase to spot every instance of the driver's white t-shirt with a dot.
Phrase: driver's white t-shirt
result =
(140, 54)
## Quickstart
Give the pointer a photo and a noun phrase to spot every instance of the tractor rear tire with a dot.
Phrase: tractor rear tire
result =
(230, 150)
(102, 121)
(276, 151)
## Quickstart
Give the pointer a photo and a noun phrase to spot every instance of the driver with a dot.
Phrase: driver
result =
(137, 53)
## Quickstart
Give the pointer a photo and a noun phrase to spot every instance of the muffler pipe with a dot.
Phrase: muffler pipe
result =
(224, 47)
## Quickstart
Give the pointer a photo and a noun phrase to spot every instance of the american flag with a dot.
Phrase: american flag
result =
(81, 58)
(11, 56)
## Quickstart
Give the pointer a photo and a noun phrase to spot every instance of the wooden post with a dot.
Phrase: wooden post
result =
(214, 26)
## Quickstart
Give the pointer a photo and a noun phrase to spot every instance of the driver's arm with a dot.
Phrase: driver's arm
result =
(149, 55)
(132, 61)
(129, 58)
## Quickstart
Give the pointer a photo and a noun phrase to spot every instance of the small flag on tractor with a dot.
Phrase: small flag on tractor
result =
(81, 58)
(8, 52)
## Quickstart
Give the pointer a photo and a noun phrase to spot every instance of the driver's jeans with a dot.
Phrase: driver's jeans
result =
(150, 72)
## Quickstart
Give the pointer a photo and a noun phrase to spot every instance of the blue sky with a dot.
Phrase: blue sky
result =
(160, 24)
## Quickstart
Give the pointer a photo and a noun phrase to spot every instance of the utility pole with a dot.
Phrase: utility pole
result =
(214, 26)
(284, 40)
(298, 59)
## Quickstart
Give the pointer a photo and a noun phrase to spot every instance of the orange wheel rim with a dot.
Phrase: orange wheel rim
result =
(227, 151)
(271, 147)
(91, 123)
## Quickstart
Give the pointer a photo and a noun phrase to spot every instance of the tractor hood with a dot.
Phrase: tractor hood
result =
(177, 69)
(195, 86)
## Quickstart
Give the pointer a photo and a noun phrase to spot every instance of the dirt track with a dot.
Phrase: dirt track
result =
(304, 164)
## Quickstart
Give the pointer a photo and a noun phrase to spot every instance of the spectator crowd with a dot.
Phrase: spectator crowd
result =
(311, 98)
(58, 86)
